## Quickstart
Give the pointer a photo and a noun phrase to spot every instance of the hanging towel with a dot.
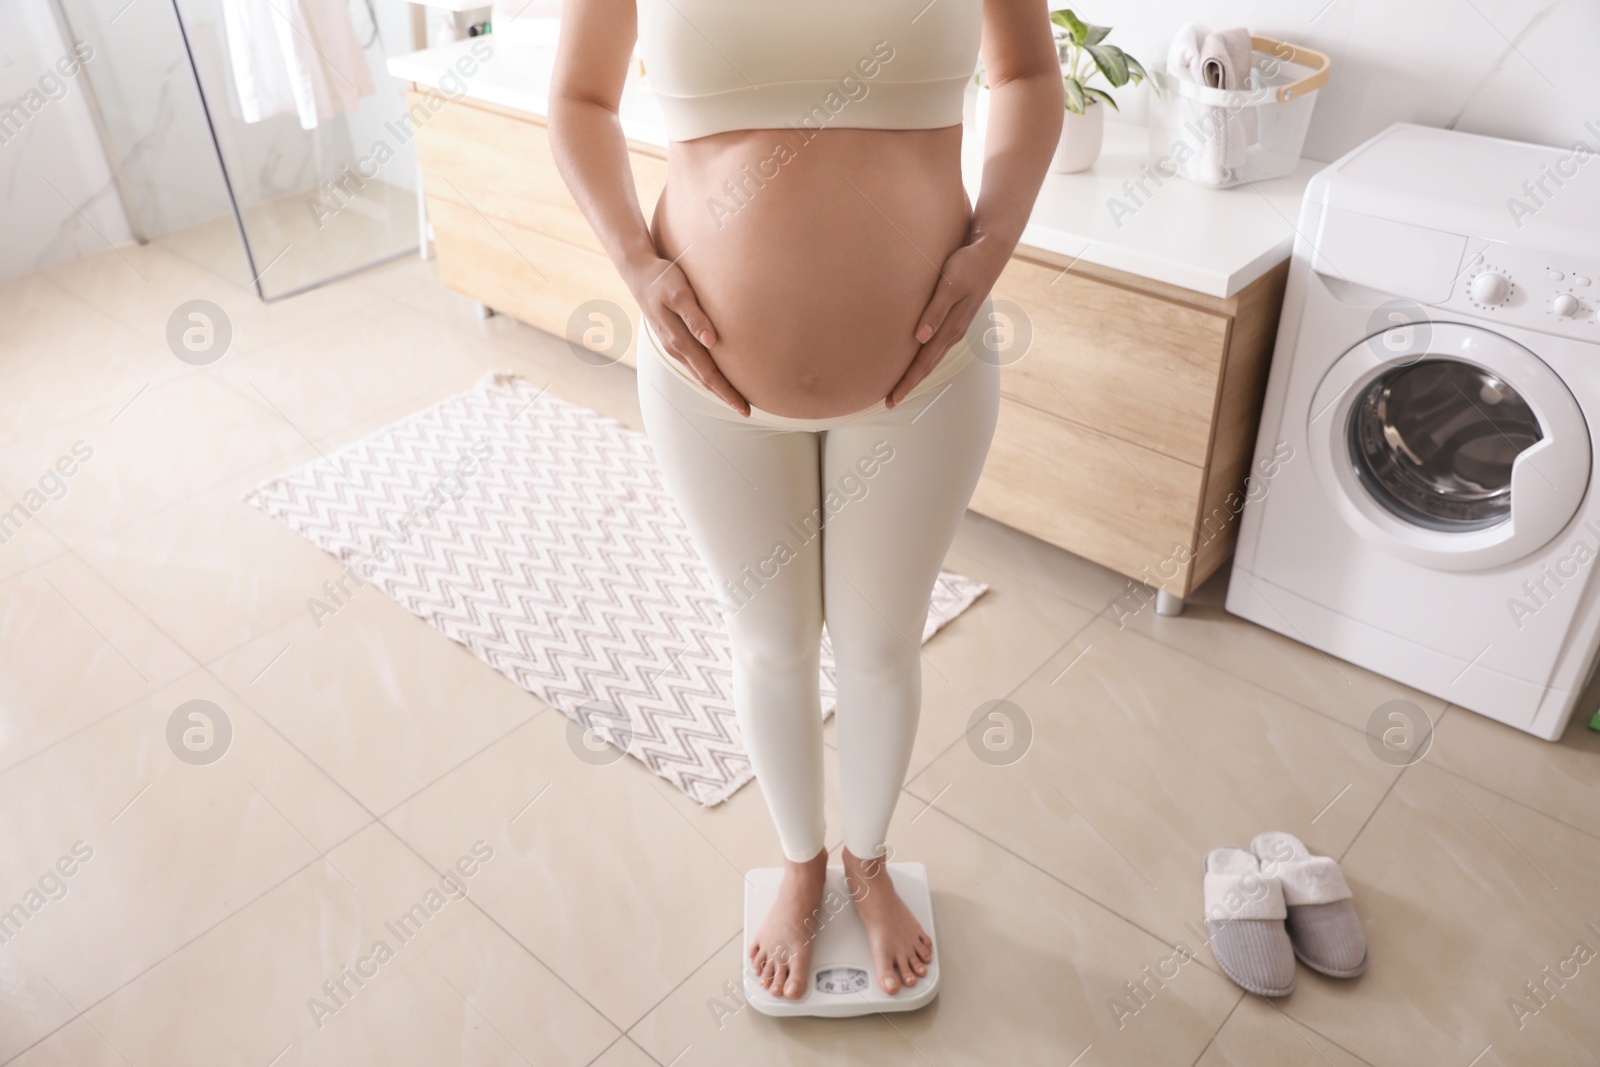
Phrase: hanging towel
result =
(295, 55)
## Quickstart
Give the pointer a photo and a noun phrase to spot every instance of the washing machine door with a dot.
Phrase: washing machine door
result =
(1449, 445)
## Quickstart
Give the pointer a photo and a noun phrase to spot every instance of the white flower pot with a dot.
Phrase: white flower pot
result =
(1082, 137)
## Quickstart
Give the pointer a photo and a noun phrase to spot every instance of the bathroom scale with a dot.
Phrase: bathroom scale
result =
(842, 978)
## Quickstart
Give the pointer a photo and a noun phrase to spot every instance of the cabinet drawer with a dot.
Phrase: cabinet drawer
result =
(1121, 505)
(525, 274)
(503, 167)
(1128, 364)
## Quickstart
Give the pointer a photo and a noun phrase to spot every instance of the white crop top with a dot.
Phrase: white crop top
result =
(719, 65)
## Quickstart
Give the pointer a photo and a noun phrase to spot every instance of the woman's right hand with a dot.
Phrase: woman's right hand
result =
(669, 305)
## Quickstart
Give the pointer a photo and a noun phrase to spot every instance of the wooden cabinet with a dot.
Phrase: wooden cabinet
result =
(1126, 426)
(507, 232)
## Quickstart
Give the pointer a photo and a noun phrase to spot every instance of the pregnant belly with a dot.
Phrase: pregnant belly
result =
(814, 258)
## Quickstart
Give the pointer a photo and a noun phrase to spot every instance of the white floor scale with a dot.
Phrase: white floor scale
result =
(842, 978)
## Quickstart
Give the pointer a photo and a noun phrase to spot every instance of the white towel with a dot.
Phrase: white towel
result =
(1225, 64)
(1218, 136)
(295, 55)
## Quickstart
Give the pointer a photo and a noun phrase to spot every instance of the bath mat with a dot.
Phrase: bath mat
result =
(538, 533)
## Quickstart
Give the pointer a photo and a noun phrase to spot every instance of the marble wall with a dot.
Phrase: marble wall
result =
(57, 201)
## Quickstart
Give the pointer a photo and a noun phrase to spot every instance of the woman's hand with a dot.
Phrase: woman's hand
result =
(963, 285)
(669, 305)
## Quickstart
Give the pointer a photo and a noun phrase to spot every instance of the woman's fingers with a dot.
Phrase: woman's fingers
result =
(683, 347)
(678, 296)
(953, 322)
(707, 369)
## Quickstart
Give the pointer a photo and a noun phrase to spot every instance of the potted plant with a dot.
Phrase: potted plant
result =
(1084, 57)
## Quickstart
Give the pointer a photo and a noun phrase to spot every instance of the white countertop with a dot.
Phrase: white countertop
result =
(1213, 241)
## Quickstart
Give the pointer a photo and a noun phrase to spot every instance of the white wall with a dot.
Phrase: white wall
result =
(57, 201)
(1521, 69)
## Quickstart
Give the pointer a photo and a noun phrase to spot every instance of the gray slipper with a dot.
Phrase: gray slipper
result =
(1322, 923)
(1245, 915)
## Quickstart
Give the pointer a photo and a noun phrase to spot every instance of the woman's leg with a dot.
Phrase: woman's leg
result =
(746, 491)
(749, 496)
(904, 479)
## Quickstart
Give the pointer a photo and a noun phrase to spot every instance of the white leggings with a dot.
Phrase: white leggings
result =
(847, 520)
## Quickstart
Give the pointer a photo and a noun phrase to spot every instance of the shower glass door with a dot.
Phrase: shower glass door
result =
(256, 138)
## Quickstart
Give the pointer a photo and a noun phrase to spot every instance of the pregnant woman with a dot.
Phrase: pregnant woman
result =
(820, 417)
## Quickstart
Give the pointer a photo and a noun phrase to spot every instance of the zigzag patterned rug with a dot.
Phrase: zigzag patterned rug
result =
(538, 534)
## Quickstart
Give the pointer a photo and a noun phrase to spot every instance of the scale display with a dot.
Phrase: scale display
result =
(841, 980)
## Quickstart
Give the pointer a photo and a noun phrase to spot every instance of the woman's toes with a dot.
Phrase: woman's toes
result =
(907, 975)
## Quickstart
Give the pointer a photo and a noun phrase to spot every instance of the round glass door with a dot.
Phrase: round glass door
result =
(1434, 442)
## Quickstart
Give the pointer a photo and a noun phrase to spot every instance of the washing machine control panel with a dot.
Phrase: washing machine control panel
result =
(1525, 287)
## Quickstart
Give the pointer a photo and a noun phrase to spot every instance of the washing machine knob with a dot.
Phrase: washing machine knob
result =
(1565, 305)
(1490, 288)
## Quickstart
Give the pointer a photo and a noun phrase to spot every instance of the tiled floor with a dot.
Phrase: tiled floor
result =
(210, 904)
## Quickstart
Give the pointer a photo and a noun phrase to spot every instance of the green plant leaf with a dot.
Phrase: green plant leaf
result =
(1136, 71)
(1111, 60)
(1101, 95)
(1066, 18)
(1075, 95)
(1096, 34)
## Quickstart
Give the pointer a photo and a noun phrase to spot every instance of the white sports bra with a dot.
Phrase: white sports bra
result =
(719, 65)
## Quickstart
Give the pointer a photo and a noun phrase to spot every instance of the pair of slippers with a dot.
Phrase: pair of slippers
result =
(1277, 902)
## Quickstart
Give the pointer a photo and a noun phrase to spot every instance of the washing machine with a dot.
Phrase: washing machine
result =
(1420, 503)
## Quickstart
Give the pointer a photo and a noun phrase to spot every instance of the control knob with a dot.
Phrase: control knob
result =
(1490, 288)
(1565, 305)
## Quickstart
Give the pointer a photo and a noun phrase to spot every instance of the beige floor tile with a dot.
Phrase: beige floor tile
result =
(1142, 759)
(33, 307)
(1031, 971)
(1560, 779)
(624, 1054)
(450, 987)
(24, 542)
(93, 362)
(612, 877)
(401, 277)
(159, 847)
(986, 652)
(1206, 631)
(337, 374)
(1465, 897)
(143, 287)
(460, 380)
(1038, 563)
(74, 1044)
(611, 389)
(212, 571)
(378, 698)
(74, 652)
(1259, 1033)
(174, 441)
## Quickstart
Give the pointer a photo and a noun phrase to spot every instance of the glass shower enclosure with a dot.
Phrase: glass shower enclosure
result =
(251, 136)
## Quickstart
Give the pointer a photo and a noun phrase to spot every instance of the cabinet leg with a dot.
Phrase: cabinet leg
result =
(1167, 604)
(484, 310)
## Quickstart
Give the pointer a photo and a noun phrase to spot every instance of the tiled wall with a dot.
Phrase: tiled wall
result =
(1522, 69)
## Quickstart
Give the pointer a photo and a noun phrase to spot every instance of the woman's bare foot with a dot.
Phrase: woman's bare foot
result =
(781, 951)
(901, 949)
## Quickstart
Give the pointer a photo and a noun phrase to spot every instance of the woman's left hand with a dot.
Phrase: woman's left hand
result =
(963, 285)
